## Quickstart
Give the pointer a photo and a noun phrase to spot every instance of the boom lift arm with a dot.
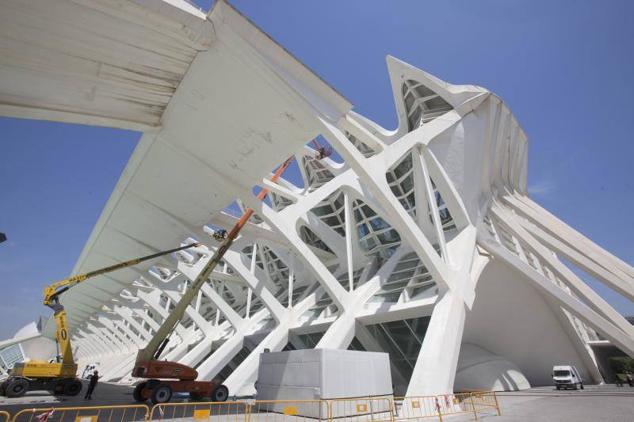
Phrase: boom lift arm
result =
(61, 376)
(53, 292)
(147, 363)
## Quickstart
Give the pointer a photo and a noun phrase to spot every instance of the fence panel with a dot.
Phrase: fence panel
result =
(486, 401)
(362, 409)
(228, 411)
(415, 408)
(125, 413)
(288, 410)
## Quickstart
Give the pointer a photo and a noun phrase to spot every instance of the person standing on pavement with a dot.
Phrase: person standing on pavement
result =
(91, 385)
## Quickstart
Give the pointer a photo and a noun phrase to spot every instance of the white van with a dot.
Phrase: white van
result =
(566, 376)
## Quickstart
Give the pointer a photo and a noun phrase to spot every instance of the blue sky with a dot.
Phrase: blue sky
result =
(565, 68)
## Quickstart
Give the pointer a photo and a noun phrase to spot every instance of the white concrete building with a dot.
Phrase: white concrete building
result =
(421, 242)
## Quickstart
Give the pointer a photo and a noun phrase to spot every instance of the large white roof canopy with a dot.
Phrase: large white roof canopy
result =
(220, 105)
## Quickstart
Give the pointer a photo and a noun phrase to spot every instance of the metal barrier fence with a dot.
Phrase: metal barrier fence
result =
(125, 413)
(486, 400)
(361, 409)
(377, 409)
(285, 410)
(418, 408)
(229, 411)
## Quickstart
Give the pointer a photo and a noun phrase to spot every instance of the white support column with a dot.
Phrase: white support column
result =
(435, 368)
(85, 343)
(214, 364)
(573, 305)
(349, 227)
(291, 276)
(252, 270)
(95, 341)
(433, 206)
(199, 298)
(341, 332)
(622, 275)
(397, 216)
(108, 329)
(111, 347)
(338, 294)
(242, 379)
(152, 299)
(106, 336)
(110, 325)
(197, 319)
(420, 196)
(589, 296)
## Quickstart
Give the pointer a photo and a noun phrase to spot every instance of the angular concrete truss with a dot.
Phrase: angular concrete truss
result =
(421, 242)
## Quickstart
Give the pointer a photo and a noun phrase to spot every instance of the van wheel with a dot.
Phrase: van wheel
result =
(558, 387)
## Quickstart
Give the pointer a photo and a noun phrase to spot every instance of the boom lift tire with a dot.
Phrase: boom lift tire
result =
(161, 394)
(137, 394)
(220, 394)
(72, 387)
(17, 387)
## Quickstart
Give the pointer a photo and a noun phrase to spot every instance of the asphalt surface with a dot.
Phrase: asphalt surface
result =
(595, 403)
(105, 394)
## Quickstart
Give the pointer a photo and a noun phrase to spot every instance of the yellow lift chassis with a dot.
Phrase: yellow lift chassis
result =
(60, 376)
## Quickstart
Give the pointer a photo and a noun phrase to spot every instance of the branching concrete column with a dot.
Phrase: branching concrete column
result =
(435, 368)
(95, 341)
(242, 379)
(126, 313)
(341, 332)
(338, 294)
(396, 214)
(568, 302)
(112, 347)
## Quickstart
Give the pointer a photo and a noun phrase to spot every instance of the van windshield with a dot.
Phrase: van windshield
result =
(561, 373)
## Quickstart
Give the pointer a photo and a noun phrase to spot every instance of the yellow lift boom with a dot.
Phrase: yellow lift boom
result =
(60, 376)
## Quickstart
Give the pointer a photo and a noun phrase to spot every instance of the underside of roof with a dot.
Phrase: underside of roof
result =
(219, 102)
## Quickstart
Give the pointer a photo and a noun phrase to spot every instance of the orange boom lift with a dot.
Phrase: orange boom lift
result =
(163, 377)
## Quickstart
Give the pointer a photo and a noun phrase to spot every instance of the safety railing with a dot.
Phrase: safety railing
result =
(123, 413)
(417, 408)
(362, 409)
(486, 400)
(287, 410)
(378, 409)
(228, 411)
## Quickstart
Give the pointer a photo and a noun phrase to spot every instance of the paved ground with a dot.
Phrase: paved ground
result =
(105, 394)
(595, 403)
